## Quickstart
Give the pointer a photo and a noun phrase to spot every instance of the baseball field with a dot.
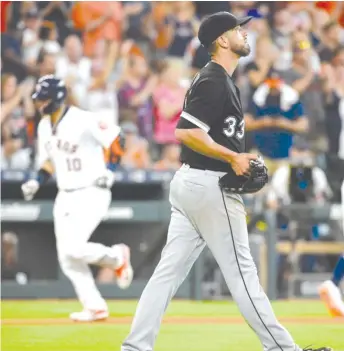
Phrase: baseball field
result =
(188, 326)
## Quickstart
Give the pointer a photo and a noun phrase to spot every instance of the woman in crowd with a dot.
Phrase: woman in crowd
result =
(168, 100)
(16, 109)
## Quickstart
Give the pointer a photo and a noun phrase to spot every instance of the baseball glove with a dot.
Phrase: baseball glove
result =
(246, 185)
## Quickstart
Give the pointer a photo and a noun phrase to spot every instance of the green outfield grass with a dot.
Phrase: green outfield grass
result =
(30, 326)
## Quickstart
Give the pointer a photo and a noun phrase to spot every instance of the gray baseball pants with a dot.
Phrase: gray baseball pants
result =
(202, 214)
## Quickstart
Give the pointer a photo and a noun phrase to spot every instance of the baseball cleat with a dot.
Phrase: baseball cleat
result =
(331, 296)
(89, 315)
(124, 274)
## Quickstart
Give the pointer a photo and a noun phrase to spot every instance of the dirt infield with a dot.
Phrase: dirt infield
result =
(171, 320)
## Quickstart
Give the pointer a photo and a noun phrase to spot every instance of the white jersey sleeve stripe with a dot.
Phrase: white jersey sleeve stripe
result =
(195, 121)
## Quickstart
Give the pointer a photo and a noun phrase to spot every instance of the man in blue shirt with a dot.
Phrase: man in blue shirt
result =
(275, 115)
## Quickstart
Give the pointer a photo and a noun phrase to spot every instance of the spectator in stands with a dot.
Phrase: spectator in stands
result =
(18, 11)
(281, 36)
(275, 115)
(31, 42)
(240, 8)
(204, 8)
(256, 73)
(10, 266)
(168, 98)
(11, 55)
(338, 57)
(300, 181)
(57, 12)
(330, 41)
(135, 93)
(320, 19)
(46, 63)
(183, 26)
(100, 20)
(260, 68)
(341, 15)
(196, 57)
(101, 96)
(308, 19)
(305, 77)
(304, 183)
(136, 13)
(49, 35)
(159, 28)
(171, 27)
(334, 106)
(75, 69)
(136, 151)
(98, 64)
(170, 158)
(16, 108)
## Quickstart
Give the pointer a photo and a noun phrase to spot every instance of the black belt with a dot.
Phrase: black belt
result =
(196, 167)
(201, 168)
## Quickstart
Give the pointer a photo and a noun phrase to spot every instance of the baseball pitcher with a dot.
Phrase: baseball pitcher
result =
(207, 208)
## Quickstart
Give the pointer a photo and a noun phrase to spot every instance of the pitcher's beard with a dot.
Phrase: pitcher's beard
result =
(243, 51)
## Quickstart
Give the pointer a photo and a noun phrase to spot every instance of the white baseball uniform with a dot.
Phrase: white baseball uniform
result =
(75, 148)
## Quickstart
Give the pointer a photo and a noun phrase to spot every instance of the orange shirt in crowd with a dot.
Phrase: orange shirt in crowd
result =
(84, 12)
(160, 11)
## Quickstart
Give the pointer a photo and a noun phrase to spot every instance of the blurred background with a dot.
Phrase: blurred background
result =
(133, 62)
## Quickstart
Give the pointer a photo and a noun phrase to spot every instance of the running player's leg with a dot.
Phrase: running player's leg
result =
(223, 226)
(329, 291)
(76, 215)
(178, 256)
(338, 272)
(90, 208)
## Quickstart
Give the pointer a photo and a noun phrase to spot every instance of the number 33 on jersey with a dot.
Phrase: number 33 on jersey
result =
(233, 128)
(75, 147)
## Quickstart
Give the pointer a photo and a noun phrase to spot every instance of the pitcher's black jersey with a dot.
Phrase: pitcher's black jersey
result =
(213, 104)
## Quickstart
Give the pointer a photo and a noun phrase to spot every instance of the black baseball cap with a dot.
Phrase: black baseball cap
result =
(218, 23)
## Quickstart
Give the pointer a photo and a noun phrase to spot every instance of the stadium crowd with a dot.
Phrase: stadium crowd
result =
(133, 61)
